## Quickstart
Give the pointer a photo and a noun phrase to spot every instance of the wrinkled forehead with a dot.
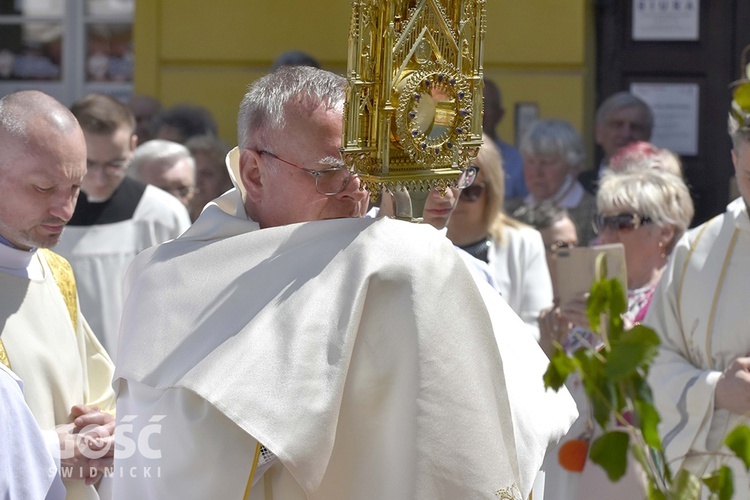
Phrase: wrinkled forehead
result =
(632, 114)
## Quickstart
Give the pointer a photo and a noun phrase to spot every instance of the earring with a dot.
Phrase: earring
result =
(663, 253)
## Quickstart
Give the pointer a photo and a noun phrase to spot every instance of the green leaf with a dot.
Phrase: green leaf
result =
(639, 452)
(634, 349)
(597, 303)
(618, 300)
(642, 389)
(601, 393)
(648, 420)
(685, 486)
(739, 442)
(655, 493)
(721, 483)
(610, 451)
(559, 368)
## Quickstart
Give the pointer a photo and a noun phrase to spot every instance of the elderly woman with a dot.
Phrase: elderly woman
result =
(647, 210)
(553, 154)
(514, 252)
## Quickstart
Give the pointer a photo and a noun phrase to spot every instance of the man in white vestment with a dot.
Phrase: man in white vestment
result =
(44, 338)
(701, 377)
(290, 349)
(116, 216)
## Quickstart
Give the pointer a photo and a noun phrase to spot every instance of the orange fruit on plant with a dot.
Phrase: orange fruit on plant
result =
(572, 454)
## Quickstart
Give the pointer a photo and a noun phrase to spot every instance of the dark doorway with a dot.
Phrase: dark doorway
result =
(711, 62)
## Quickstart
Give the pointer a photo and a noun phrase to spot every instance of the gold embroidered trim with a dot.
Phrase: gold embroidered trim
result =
(4, 359)
(63, 274)
(682, 279)
(252, 472)
(719, 285)
(510, 493)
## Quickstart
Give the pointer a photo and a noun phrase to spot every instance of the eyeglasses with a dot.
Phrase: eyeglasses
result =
(329, 181)
(559, 245)
(472, 193)
(109, 167)
(467, 177)
(619, 222)
(182, 192)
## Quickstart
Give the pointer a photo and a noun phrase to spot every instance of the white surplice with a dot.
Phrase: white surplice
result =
(700, 312)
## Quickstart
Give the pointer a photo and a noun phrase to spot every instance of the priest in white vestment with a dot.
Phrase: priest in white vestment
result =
(270, 353)
(44, 338)
(701, 379)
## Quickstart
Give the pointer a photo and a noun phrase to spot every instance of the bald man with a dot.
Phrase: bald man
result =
(44, 339)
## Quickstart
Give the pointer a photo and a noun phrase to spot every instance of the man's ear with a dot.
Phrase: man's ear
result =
(250, 174)
(133, 142)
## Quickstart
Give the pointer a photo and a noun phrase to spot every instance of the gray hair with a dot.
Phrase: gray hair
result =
(263, 109)
(556, 138)
(622, 100)
(158, 151)
(652, 192)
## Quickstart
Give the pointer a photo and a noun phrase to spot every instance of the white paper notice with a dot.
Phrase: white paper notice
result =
(666, 20)
(675, 108)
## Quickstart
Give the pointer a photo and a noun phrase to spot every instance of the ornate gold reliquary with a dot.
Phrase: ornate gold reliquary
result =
(413, 115)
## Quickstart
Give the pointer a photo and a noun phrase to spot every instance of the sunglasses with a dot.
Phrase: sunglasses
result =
(619, 222)
(472, 193)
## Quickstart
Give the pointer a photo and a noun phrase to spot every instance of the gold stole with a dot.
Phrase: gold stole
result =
(63, 274)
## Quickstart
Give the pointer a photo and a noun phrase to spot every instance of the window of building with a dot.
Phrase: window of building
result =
(67, 48)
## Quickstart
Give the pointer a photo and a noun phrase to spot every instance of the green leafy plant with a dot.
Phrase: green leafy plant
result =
(613, 377)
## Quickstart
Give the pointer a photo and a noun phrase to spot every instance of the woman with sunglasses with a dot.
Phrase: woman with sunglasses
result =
(647, 210)
(515, 253)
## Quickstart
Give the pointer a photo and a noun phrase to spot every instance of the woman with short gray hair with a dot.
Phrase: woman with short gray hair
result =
(553, 154)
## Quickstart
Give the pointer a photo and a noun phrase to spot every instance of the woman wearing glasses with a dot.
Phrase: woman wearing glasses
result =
(647, 210)
(515, 253)
(553, 154)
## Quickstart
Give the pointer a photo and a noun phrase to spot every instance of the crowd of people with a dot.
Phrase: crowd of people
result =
(263, 332)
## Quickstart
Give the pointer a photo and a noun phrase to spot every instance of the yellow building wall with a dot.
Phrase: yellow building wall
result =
(537, 51)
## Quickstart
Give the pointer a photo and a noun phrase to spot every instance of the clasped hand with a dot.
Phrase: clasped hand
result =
(86, 444)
